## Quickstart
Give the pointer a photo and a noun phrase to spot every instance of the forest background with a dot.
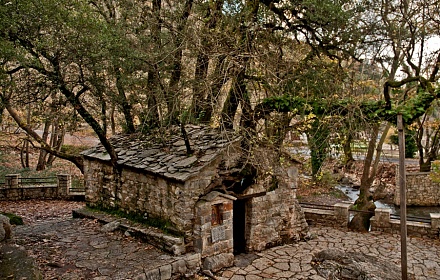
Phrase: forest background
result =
(338, 72)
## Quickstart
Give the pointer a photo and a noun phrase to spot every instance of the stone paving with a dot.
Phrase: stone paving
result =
(294, 261)
(80, 249)
(67, 248)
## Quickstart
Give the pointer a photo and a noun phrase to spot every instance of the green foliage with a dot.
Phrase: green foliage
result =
(325, 178)
(394, 139)
(410, 142)
(13, 219)
(318, 145)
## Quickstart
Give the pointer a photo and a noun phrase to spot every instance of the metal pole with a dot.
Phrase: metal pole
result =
(402, 183)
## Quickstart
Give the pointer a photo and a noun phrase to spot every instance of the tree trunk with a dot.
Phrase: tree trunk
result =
(151, 116)
(201, 105)
(199, 89)
(57, 142)
(2, 109)
(432, 145)
(218, 80)
(318, 145)
(125, 106)
(230, 107)
(176, 66)
(77, 160)
(23, 154)
(348, 153)
(26, 162)
(238, 92)
(41, 165)
(361, 220)
(112, 119)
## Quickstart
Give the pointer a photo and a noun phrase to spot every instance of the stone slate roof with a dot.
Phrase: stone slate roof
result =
(165, 154)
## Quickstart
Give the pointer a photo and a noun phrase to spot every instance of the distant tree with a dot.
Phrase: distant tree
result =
(427, 138)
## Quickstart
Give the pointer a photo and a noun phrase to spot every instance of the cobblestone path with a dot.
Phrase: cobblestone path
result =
(78, 249)
(294, 261)
(67, 248)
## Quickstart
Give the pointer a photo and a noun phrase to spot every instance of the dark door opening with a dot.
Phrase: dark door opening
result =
(239, 226)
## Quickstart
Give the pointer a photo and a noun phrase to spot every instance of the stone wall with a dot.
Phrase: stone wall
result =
(420, 189)
(148, 194)
(213, 232)
(381, 221)
(273, 219)
(184, 268)
(139, 192)
(337, 217)
(13, 190)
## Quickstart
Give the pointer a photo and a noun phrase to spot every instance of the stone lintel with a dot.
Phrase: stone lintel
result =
(214, 194)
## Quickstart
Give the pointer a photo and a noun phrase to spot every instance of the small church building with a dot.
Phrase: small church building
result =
(222, 199)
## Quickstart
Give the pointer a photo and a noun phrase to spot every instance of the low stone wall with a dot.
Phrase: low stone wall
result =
(13, 190)
(382, 222)
(420, 189)
(337, 217)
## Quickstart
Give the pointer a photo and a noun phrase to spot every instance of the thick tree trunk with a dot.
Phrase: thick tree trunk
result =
(230, 107)
(432, 146)
(238, 93)
(199, 88)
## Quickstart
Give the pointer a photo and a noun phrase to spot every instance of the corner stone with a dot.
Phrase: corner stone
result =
(217, 262)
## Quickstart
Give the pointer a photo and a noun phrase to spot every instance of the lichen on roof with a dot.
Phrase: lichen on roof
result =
(165, 153)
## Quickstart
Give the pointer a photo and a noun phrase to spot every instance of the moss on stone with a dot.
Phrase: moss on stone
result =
(14, 219)
(163, 224)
